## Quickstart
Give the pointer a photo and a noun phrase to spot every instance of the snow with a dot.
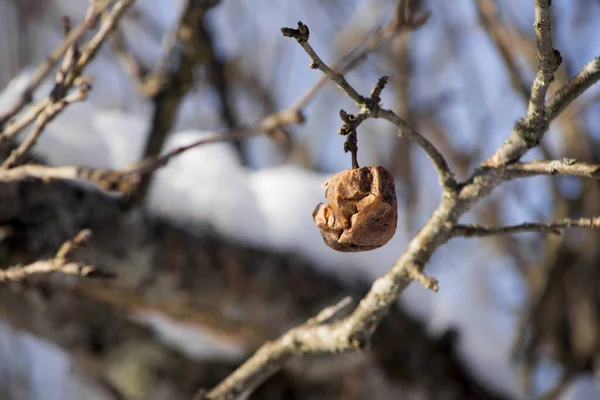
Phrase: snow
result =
(270, 204)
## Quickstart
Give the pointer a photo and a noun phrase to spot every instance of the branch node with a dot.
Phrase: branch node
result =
(301, 34)
(348, 129)
(415, 273)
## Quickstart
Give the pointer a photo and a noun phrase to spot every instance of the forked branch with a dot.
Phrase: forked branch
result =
(370, 109)
(59, 263)
(354, 331)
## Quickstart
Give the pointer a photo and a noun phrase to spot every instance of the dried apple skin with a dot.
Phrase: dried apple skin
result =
(361, 213)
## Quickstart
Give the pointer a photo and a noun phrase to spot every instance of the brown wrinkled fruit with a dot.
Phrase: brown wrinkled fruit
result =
(361, 212)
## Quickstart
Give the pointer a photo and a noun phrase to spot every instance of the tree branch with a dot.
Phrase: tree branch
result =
(267, 125)
(57, 264)
(370, 108)
(168, 85)
(549, 60)
(405, 130)
(566, 166)
(589, 75)
(470, 231)
(499, 34)
(87, 53)
(301, 35)
(312, 337)
(94, 10)
(529, 130)
(47, 115)
(360, 53)
(353, 332)
(127, 179)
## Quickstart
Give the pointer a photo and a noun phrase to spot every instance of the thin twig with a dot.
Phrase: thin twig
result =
(353, 58)
(126, 179)
(74, 34)
(42, 172)
(57, 264)
(111, 181)
(549, 60)
(12, 130)
(566, 166)
(366, 104)
(529, 130)
(301, 35)
(499, 34)
(131, 65)
(187, 47)
(416, 274)
(331, 313)
(355, 331)
(588, 76)
(288, 116)
(267, 125)
(67, 65)
(87, 53)
(469, 231)
(44, 118)
(404, 130)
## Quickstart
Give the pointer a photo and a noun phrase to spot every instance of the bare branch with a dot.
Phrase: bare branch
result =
(126, 180)
(57, 264)
(95, 8)
(469, 231)
(301, 35)
(313, 337)
(132, 66)
(499, 34)
(416, 274)
(405, 130)
(566, 166)
(589, 75)
(370, 108)
(88, 52)
(529, 131)
(188, 46)
(349, 334)
(267, 125)
(45, 117)
(549, 60)
(12, 130)
(105, 179)
(353, 332)
(355, 56)
(33, 171)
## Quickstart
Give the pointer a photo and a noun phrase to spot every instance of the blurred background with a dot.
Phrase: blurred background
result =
(221, 254)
